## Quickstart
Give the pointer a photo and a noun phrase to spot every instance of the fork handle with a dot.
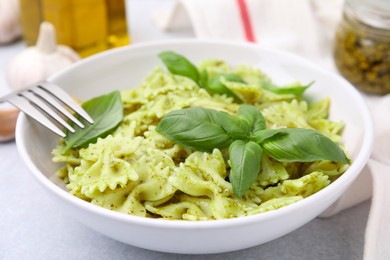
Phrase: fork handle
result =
(4, 99)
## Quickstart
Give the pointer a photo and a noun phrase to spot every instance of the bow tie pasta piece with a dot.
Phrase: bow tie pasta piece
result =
(158, 80)
(202, 174)
(214, 66)
(317, 117)
(275, 203)
(211, 167)
(271, 172)
(223, 207)
(246, 92)
(287, 114)
(304, 186)
(154, 189)
(153, 167)
(103, 167)
(186, 180)
(152, 186)
(185, 210)
(331, 169)
(113, 199)
(72, 158)
(160, 93)
(189, 208)
(195, 208)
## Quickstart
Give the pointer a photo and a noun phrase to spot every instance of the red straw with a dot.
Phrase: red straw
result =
(246, 22)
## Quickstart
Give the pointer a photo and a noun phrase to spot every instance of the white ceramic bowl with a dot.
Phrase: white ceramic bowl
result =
(127, 67)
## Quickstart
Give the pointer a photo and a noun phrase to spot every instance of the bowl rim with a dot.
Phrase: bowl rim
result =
(356, 166)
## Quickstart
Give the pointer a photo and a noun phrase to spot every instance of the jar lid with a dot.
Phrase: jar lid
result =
(375, 13)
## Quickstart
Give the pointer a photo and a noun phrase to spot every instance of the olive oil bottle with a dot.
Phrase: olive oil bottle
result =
(88, 26)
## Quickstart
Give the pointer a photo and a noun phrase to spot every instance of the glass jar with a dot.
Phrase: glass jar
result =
(362, 45)
(87, 26)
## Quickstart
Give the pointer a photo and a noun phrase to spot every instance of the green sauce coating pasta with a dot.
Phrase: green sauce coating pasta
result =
(137, 171)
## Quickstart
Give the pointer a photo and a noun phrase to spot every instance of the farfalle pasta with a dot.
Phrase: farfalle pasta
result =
(136, 170)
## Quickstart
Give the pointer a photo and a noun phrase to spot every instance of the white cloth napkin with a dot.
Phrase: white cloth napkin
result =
(307, 28)
(377, 235)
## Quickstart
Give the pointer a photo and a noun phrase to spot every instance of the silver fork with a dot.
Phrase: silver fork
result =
(46, 102)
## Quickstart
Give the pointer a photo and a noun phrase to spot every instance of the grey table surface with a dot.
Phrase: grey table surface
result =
(33, 227)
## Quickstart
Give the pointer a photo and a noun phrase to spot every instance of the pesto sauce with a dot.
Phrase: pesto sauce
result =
(362, 55)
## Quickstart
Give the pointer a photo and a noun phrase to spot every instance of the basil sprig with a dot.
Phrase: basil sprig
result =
(248, 139)
(180, 65)
(107, 113)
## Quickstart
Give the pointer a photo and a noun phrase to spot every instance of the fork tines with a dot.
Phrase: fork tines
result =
(46, 100)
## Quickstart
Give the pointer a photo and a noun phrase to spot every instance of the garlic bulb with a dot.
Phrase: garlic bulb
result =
(10, 27)
(38, 62)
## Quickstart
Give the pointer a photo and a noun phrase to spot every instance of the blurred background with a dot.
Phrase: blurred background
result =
(41, 37)
(348, 36)
(128, 21)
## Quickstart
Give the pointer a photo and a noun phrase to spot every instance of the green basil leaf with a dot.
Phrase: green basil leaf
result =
(302, 145)
(253, 116)
(235, 127)
(295, 89)
(179, 65)
(245, 159)
(203, 79)
(200, 128)
(107, 113)
(262, 135)
(215, 84)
